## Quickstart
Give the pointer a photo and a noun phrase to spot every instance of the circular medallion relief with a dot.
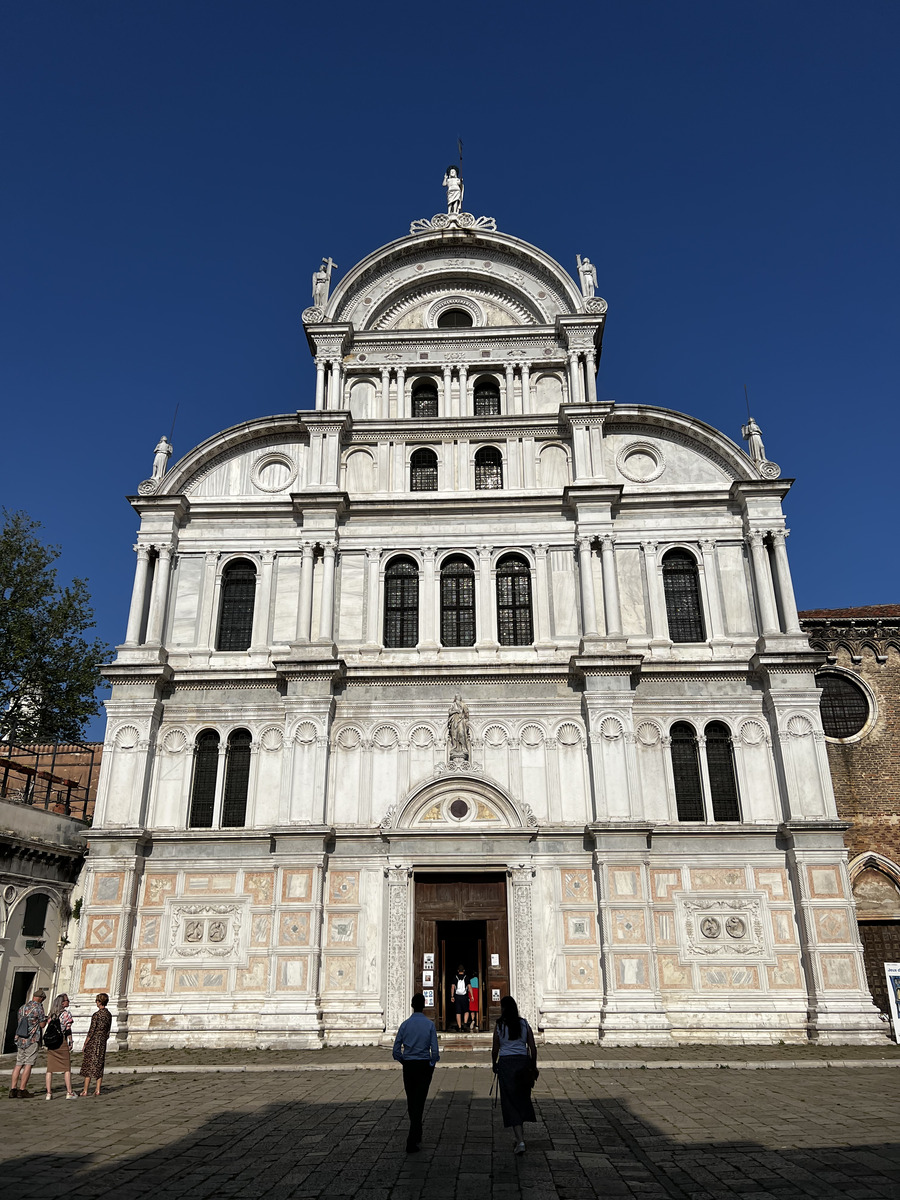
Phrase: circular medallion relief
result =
(640, 462)
(710, 927)
(735, 927)
(459, 808)
(273, 473)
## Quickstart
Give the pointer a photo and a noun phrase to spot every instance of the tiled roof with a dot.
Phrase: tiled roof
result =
(868, 612)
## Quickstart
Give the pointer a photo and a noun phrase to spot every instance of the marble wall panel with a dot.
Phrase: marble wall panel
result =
(351, 600)
(635, 620)
(731, 978)
(674, 975)
(147, 977)
(711, 880)
(292, 974)
(254, 977)
(157, 888)
(96, 975)
(735, 589)
(264, 804)
(102, 932)
(339, 973)
(186, 606)
(305, 804)
(824, 881)
(286, 589)
(786, 974)
(296, 885)
(108, 887)
(212, 980)
(562, 590)
(839, 972)
(832, 924)
(631, 971)
(207, 883)
(260, 886)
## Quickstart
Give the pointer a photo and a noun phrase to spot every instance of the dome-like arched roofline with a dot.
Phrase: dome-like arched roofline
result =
(176, 479)
(401, 248)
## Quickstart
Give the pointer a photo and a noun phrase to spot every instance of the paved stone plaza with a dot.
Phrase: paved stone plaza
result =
(697, 1134)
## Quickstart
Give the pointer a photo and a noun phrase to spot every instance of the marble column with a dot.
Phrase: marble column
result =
(262, 601)
(542, 590)
(463, 392)
(159, 596)
(575, 396)
(335, 394)
(762, 579)
(138, 596)
(373, 568)
(486, 635)
(527, 406)
(385, 393)
(511, 406)
(221, 766)
(588, 600)
(304, 609)
(320, 384)
(610, 587)
(783, 583)
(590, 370)
(428, 598)
(659, 625)
(710, 570)
(326, 609)
(401, 393)
(447, 405)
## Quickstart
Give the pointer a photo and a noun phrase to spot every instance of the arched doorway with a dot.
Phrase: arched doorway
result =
(876, 890)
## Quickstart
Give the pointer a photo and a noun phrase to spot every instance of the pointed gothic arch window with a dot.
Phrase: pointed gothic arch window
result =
(203, 784)
(686, 772)
(425, 398)
(457, 602)
(237, 779)
(401, 603)
(423, 470)
(486, 395)
(681, 584)
(236, 606)
(515, 626)
(488, 468)
(722, 779)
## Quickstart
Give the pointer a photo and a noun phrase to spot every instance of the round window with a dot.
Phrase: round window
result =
(845, 706)
(455, 318)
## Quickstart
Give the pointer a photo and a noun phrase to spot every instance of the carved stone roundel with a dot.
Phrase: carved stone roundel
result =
(641, 462)
(273, 473)
(459, 808)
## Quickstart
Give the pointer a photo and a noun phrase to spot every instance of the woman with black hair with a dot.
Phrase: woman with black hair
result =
(514, 1056)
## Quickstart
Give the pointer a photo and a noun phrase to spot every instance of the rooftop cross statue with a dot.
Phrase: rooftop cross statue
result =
(454, 185)
(321, 282)
(161, 457)
(752, 435)
(587, 273)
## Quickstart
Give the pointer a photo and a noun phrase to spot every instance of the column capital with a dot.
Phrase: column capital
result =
(165, 550)
(707, 545)
(329, 548)
(211, 556)
(373, 553)
(778, 536)
(650, 547)
(267, 557)
(142, 550)
(484, 552)
(584, 542)
(428, 553)
(540, 549)
(307, 548)
(607, 541)
(755, 538)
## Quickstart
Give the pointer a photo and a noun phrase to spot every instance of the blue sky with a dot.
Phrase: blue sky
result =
(175, 171)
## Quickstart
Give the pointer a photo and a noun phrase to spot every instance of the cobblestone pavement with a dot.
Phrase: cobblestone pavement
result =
(694, 1135)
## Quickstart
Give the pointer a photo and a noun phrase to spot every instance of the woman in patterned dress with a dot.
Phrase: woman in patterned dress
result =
(60, 1059)
(93, 1056)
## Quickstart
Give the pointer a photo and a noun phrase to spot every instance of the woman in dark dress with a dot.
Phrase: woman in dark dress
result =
(93, 1056)
(514, 1055)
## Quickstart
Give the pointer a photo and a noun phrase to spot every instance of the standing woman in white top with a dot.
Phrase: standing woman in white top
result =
(514, 1056)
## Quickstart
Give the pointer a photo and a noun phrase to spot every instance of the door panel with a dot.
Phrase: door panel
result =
(881, 944)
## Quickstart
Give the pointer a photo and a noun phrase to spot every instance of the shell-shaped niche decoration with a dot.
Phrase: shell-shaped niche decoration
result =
(648, 733)
(385, 737)
(495, 735)
(568, 734)
(305, 732)
(127, 737)
(273, 738)
(422, 737)
(799, 726)
(175, 741)
(348, 738)
(611, 728)
(532, 736)
(752, 733)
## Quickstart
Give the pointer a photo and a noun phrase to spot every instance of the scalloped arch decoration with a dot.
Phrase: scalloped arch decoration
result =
(568, 734)
(422, 736)
(127, 737)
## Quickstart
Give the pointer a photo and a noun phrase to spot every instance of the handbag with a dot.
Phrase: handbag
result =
(527, 1077)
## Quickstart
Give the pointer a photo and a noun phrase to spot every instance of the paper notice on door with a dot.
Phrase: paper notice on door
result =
(495, 995)
(428, 964)
(428, 979)
(495, 960)
(429, 999)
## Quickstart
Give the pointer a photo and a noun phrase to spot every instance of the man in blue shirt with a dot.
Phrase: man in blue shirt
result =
(416, 1047)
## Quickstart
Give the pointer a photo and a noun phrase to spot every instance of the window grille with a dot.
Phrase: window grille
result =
(455, 318)
(514, 623)
(686, 770)
(425, 400)
(237, 777)
(488, 468)
(487, 398)
(682, 588)
(35, 915)
(722, 781)
(457, 602)
(844, 706)
(401, 603)
(236, 609)
(203, 787)
(423, 471)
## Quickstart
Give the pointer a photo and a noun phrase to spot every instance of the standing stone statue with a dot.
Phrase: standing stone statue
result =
(752, 435)
(458, 731)
(587, 273)
(454, 185)
(321, 282)
(161, 456)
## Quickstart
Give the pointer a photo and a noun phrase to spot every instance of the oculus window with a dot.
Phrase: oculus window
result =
(455, 318)
(844, 706)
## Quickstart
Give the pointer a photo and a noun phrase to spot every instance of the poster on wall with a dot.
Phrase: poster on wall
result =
(428, 979)
(495, 995)
(429, 999)
(892, 971)
(428, 964)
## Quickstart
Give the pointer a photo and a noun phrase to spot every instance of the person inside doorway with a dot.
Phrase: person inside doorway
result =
(459, 998)
(473, 1004)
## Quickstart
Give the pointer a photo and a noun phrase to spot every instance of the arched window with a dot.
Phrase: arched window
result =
(682, 588)
(423, 470)
(514, 623)
(203, 785)
(237, 777)
(722, 780)
(401, 603)
(236, 608)
(488, 468)
(425, 399)
(35, 919)
(844, 705)
(455, 318)
(487, 397)
(686, 770)
(457, 602)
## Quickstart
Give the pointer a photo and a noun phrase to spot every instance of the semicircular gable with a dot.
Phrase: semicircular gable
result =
(659, 448)
(256, 458)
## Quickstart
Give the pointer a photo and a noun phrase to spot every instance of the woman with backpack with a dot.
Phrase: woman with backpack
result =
(514, 1056)
(58, 1044)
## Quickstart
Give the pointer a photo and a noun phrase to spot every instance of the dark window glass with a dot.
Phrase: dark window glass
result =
(455, 318)
(401, 603)
(487, 398)
(237, 777)
(203, 787)
(488, 468)
(682, 589)
(686, 769)
(425, 400)
(423, 471)
(844, 706)
(35, 916)
(236, 610)
(514, 624)
(457, 602)
(722, 781)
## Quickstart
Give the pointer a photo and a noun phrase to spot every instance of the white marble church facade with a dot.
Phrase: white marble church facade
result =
(632, 808)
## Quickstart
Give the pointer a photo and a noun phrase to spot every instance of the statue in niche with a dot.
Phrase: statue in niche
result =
(587, 273)
(161, 458)
(458, 731)
(454, 185)
(752, 435)
(321, 282)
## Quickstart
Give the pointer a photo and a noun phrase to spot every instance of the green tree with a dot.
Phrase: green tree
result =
(49, 671)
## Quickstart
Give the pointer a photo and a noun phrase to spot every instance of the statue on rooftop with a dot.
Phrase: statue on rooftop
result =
(752, 435)
(321, 283)
(587, 273)
(454, 185)
(161, 456)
